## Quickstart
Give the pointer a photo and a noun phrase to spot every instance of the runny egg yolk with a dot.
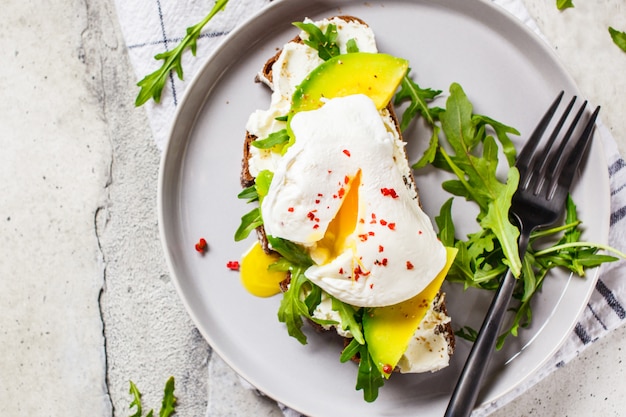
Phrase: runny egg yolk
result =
(343, 225)
(256, 276)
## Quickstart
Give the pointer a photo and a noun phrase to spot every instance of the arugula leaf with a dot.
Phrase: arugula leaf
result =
(351, 46)
(445, 225)
(467, 333)
(418, 98)
(136, 399)
(497, 220)
(290, 251)
(313, 299)
(502, 132)
(152, 84)
(249, 222)
(325, 43)
(292, 308)
(249, 193)
(256, 192)
(369, 378)
(274, 139)
(619, 38)
(353, 348)
(348, 320)
(262, 183)
(168, 404)
(564, 4)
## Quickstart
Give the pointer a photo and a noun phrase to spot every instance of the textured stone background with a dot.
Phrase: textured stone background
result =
(86, 302)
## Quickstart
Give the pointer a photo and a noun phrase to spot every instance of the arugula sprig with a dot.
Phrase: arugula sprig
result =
(564, 4)
(471, 154)
(619, 38)
(474, 160)
(324, 42)
(278, 138)
(152, 84)
(168, 404)
(254, 193)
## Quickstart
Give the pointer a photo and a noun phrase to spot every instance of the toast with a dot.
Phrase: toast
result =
(436, 327)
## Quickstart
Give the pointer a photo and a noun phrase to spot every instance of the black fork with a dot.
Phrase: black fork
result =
(545, 180)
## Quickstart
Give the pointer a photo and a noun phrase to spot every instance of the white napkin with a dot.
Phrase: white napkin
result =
(153, 26)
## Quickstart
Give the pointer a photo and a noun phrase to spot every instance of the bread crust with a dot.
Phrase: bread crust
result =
(266, 76)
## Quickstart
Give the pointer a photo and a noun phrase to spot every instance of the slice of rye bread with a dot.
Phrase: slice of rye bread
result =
(247, 180)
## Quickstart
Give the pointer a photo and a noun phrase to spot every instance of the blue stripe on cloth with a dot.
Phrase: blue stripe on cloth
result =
(582, 334)
(617, 215)
(165, 42)
(617, 166)
(617, 190)
(610, 299)
(596, 316)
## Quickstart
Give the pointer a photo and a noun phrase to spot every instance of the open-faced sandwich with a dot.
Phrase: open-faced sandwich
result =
(339, 223)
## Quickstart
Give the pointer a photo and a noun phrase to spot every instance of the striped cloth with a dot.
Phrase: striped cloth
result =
(154, 26)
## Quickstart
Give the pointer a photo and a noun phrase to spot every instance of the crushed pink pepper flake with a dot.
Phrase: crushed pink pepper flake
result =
(389, 192)
(233, 265)
(409, 265)
(201, 246)
(347, 152)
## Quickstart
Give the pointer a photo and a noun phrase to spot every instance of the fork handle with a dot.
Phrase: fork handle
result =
(468, 386)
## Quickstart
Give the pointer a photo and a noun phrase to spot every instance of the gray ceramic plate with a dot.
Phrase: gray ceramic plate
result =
(507, 72)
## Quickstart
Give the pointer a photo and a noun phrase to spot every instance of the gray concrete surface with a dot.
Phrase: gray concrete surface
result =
(86, 302)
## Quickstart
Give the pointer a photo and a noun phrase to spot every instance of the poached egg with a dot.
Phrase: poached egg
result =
(342, 190)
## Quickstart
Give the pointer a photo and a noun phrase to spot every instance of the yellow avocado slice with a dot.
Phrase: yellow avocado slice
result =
(375, 75)
(389, 329)
(255, 276)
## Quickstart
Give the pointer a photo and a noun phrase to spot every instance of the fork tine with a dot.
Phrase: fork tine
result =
(525, 156)
(566, 169)
(555, 132)
(549, 158)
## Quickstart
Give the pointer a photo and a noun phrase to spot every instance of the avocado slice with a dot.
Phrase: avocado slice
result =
(375, 75)
(389, 329)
